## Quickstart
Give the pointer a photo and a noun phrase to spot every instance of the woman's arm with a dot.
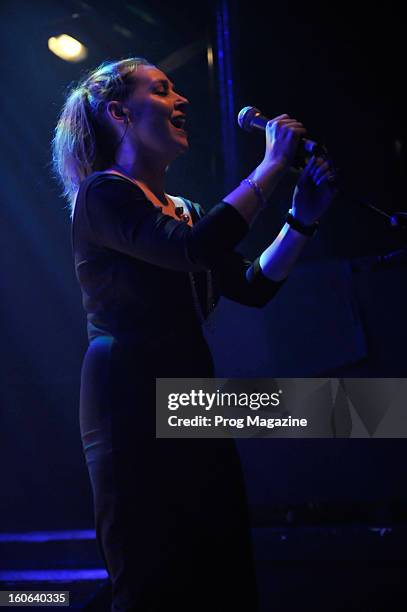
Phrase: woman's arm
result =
(282, 137)
(255, 283)
(278, 259)
(312, 196)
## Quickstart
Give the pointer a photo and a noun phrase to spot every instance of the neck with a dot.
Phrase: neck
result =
(150, 171)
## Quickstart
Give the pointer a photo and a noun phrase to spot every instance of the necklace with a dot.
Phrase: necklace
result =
(203, 316)
(206, 321)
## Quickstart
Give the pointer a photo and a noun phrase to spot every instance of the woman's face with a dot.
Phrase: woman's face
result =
(157, 114)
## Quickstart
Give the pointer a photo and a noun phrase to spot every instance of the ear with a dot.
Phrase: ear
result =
(117, 111)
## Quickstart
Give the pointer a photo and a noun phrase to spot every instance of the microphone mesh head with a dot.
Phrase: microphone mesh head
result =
(245, 117)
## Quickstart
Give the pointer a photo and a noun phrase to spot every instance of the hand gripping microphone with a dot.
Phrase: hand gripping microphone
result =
(250, 119)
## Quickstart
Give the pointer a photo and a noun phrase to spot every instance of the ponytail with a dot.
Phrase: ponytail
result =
(83, 142)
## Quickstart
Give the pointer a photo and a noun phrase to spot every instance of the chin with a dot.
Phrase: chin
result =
(178, 147)
(182, 147)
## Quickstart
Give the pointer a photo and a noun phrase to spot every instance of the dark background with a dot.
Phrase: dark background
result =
(339, 70)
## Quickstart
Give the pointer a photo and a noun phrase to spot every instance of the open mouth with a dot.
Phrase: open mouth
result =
(178, 122)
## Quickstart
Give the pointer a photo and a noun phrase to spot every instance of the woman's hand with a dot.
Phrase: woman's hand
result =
(314, 191)
(282, 137)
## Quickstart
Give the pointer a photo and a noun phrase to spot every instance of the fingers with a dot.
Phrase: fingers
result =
(284, 124)
(278, 118)
(319, 170)
(282, 136)
(308, 170)
(281, 120)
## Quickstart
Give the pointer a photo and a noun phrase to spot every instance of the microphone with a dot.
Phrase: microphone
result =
(250, 119)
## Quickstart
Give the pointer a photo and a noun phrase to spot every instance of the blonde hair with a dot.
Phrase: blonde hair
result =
(83, 141)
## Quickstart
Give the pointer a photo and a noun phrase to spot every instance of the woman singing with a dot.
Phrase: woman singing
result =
(171, 514)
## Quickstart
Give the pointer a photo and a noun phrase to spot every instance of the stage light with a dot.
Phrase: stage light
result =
(67, 48)
(209, 54)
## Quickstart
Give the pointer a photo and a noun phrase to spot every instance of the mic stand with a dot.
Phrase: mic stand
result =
(397, 220)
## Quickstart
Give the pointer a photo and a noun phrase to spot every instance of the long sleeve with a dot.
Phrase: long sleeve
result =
(240, 279)
(243, 281)
(120, 217)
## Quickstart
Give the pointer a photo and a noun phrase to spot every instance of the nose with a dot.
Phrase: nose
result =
(181, 101)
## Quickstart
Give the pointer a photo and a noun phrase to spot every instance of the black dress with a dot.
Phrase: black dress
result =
(171, 515)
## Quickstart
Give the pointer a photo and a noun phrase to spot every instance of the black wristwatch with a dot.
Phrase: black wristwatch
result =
(307, 230)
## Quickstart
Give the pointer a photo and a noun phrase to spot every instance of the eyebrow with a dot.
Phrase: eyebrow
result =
(164, 82)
